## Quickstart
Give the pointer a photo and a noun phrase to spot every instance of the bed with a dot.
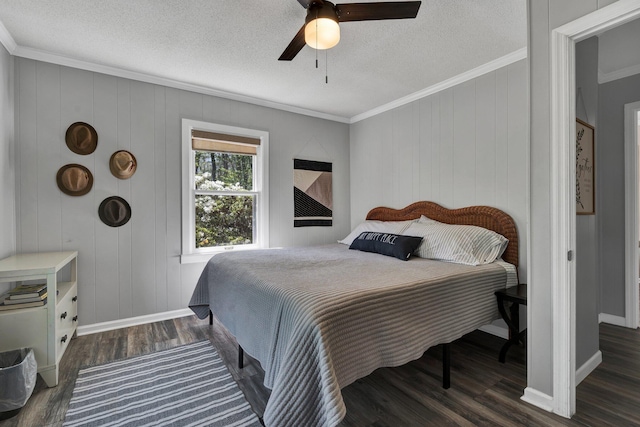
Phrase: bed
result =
(319, 318)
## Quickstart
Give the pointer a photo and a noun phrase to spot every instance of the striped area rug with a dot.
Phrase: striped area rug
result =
(183, 386)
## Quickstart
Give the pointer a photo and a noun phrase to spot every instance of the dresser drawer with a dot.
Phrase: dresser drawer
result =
(66, 316)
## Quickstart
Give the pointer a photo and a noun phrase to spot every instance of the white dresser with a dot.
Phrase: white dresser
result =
(47, 329)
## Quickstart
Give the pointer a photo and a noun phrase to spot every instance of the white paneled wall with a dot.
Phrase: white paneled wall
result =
(463, 146)
(7, 163)
(134, 270)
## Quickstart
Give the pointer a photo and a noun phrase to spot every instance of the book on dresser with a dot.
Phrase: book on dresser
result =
(40, 298)
(27, 291)
(7, 304)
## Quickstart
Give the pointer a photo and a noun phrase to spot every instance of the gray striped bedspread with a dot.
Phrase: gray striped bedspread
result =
(319, 318)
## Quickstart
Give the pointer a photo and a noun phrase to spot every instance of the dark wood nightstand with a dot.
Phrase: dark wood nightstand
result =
(516, 295)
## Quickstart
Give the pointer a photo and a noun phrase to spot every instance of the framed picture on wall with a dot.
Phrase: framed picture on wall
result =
(585, 169)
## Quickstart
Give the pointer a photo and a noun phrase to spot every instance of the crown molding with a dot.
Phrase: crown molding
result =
(39, 55)
(453, 81)
(7, 41)
(618, 74)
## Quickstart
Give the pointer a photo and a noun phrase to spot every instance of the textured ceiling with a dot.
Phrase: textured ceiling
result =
(233, 45)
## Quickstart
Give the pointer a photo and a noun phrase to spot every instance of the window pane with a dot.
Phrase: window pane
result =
(224, 220)
(223, 171)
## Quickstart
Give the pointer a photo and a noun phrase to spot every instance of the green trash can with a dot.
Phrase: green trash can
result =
(18, 372)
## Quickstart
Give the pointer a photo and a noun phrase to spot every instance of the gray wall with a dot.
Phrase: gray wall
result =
(463, 146)
(134, 270)
(7, 164)
(611, 200)
(619, 48)
(543, 17)
(587, 286)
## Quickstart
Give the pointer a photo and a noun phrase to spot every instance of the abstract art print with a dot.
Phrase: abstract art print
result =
(312, 193)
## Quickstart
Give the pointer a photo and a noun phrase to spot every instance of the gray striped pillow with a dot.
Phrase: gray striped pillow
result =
(462, 244)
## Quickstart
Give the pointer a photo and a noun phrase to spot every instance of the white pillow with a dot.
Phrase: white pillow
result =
(426, 220)
(462, 244)
(393, 227)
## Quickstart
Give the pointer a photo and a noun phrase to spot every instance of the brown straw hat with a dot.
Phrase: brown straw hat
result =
(74, 180)
(81, 138)
(114, 211)
(123, 164)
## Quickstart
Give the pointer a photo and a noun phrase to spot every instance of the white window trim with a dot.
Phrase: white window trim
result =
(191, 254)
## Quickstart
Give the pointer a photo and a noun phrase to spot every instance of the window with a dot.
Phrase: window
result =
(224, 189)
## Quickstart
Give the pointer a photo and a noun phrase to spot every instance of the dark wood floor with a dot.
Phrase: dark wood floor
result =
(483, 391)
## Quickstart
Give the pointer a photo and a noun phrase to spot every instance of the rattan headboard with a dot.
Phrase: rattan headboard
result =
(482, 216)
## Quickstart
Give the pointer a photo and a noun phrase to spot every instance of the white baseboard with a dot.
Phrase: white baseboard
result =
(496, 330)
(537, 398)
(612, 320)
(132, 321)
(588, 367)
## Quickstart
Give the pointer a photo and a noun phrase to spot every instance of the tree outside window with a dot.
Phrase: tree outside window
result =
(225, 189)
(225, 200)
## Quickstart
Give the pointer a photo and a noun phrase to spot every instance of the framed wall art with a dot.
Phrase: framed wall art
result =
(312, 193)
(585, 168)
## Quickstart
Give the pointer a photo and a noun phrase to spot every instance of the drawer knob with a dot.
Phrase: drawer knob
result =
(64, 338)
(75, 298)
(75, 318)
(63, 315)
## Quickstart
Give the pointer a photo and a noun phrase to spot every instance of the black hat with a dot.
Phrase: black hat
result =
(114, 211)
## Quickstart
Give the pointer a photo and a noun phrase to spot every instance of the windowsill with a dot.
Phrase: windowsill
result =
(206, 256)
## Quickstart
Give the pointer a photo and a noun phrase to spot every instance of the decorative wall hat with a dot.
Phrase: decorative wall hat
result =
(114, 211)
(74, 179)
(123, 164)
(81, 138)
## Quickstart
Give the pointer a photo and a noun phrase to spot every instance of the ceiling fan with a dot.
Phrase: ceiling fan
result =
(321, 29)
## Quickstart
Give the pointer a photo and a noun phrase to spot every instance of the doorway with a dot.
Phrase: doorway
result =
(632, 214)
(563, 219)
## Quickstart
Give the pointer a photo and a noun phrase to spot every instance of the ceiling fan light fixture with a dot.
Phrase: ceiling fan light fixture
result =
(322, 30)
(322, 33)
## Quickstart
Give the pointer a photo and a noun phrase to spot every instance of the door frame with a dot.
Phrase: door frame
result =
(563, 218)
(632, 238)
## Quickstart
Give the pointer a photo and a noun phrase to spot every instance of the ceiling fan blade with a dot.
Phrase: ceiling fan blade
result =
(294, 47)
(377, 11)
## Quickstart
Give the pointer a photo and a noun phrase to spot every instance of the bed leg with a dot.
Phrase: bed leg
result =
(210, 317)
(446, 366)
(240, 357)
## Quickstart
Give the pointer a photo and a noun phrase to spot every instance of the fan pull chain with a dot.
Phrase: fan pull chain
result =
(326, 66)
(316, 38)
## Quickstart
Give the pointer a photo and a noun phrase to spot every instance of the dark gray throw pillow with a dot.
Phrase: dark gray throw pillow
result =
(394, 245)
